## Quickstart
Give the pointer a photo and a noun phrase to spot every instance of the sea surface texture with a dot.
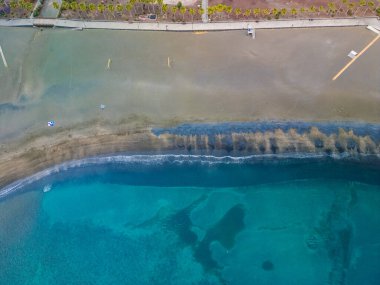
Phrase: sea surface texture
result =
(195, 220)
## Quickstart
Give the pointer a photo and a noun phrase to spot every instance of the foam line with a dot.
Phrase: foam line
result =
(156, 160)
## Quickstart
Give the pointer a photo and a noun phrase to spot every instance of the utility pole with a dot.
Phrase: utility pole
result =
(205, 12)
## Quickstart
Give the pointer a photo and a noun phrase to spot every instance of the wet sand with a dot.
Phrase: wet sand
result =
(61, 75)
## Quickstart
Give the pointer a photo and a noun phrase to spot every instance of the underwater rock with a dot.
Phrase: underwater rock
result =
(224, 232)
(267, 265)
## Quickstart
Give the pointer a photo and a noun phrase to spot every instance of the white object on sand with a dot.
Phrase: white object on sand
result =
(251, 31)
(373, 29)
(102, 106)
(3, 57)
(352, 54)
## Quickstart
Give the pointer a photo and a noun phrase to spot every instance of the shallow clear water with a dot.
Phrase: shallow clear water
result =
(207, 221)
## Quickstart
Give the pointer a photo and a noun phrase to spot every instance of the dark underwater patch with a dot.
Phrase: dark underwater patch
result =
(181, 224)
(267, 265)
(224, 232)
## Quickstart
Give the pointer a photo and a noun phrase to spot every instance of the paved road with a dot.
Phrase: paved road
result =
(192, 26)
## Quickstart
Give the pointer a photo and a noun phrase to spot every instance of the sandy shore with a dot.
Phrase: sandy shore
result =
(216, 77)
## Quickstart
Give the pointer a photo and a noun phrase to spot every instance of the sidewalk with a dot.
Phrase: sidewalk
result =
(219, 26)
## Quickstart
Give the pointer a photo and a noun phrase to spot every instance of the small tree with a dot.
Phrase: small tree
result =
(83, 7)
(183, 10)
(91, 7)
(111, 9)
(119, 7)
(256, 12)
(192, 13)
(165, 9)
(65, 5)
(247, 13)
(201, 11)
(179, 5)
(129, 7)
(74, 6)
(283, 12)
(237, 12)
(55, 5)
(101, 8)
(293, 11)
(174, 11)
(321, 9)
(228, 10)
(265, 12)
(275, 13)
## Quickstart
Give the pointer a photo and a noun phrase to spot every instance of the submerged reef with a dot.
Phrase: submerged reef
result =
(259, 138)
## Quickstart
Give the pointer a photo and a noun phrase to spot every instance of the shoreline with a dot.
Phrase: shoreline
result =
(198, 26)
(41, 154)
(174, 157)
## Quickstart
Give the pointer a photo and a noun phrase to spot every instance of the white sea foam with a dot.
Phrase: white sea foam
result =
(155, 159)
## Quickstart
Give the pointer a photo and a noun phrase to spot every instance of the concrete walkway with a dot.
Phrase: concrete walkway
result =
(220, 26)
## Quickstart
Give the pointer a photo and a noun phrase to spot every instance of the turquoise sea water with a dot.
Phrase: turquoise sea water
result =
(196, 220)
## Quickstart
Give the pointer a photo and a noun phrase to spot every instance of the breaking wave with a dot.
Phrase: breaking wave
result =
(161, 159)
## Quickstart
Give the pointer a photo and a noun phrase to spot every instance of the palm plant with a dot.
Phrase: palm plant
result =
(183, 10)
(351, 9)
(211, 11)
(101, 8)
(201, 11)
(83, 6)
(371, 5)
(111, 9)
(265, 12)
(256, 12)
(119, 7)
(321, 9)
(302, 10)
(55, 5)
(91, 7)
(74, 6)
(247, 13)
(165, 10)
(160, 4)
(362, 3)
(332, 8)
(129, 7)
(65, 5)
(228, 10)
(312, 9)
(237, 12)
(174, 11)
(275, 13)
(192, 13)
(294, 12)
(13, 4)
(283, 12)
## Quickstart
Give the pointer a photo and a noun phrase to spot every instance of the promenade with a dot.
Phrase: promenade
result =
(217, 26)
